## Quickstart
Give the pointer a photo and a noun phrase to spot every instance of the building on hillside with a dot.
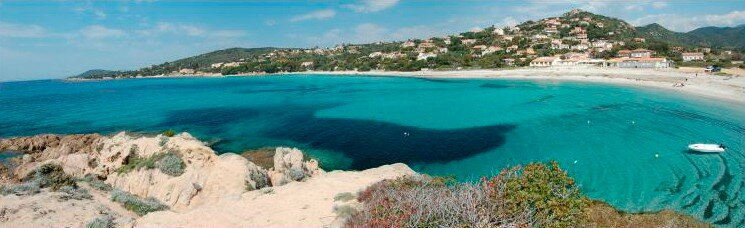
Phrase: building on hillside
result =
(638, 53)
(393, 55)
(643, 62)
(692, 56)
(427, 45)
(187, 71)
(232, 64)
(423, 56)
(491, 49)
(499, 31)
(306, 64)
(551, 30)
(544, 61)
(408, 43)
(468, 41)
(640, 40)
(479, 47)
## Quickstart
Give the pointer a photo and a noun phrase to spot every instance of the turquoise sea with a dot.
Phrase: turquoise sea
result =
(626, 146)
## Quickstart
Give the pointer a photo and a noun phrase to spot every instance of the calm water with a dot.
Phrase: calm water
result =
(624, 145)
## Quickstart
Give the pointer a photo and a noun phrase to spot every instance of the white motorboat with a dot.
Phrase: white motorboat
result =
(707, 148)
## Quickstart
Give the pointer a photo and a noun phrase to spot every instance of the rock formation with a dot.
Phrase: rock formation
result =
(194, 177)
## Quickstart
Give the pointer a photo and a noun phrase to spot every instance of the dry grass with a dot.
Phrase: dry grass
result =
(263, 157)
(600, 214)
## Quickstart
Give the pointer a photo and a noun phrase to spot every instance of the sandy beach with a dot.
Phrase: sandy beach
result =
(730, 89)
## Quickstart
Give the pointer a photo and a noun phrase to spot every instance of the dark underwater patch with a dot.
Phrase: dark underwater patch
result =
(373, 143)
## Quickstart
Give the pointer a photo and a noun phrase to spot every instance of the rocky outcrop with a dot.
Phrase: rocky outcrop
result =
(205, 174)
(206, 189)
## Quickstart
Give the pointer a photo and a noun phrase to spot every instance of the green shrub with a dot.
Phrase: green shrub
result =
(135, 162)
(136, 204)
(545, 190)
(539, 195)
(169, 133)
(344, 196)
(97, 183)
(27, 188)
(104, 221)
(51, 176)
(71, 192)
(171, 164)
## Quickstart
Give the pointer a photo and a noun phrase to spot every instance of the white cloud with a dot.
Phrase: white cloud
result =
(162, 28)
(270, 22)
(369, 32)
(228, 33)
(315, 15)
(99, 14)
(369, 6)
(659, 5)
(509, 21)
(21, 31)
(687, 23)
(100, 32)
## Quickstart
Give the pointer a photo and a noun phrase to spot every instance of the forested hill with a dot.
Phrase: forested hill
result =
(717, 37)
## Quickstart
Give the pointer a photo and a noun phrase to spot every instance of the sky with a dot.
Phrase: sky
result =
(55, 39)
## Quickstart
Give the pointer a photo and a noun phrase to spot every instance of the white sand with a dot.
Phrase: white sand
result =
(725, 88)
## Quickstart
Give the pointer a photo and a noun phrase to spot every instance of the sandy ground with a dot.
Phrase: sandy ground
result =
(726, 88)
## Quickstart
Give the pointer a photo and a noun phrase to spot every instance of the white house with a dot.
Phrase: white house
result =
(499, 31)
(544, 61)
(692, 56)
(468, 41)
(423, 56)
(643, 62)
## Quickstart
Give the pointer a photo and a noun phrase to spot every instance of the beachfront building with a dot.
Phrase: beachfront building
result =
(645, 62)
(544, 61)
(638, 53)
(692, 56)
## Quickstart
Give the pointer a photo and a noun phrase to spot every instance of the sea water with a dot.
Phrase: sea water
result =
(625, 146)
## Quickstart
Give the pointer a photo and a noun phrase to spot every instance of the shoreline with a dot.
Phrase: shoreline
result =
(729, 89)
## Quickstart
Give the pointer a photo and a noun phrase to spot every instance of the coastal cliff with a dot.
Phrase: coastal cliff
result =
(128, 180)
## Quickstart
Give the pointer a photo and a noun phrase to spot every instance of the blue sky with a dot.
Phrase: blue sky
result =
(53, 39)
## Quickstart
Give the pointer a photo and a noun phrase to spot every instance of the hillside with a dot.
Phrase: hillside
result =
(716, 37)
(579, 32)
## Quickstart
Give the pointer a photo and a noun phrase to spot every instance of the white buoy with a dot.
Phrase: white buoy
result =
(406, 133)
(575, 161)
(588, 121)
(656, 155)
(633, 122)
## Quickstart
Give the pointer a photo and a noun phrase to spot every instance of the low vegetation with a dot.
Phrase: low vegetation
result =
(169, 163)
(104, 221)
(169, 133)
(535, 195)
(47, 176)
(96, 183)
(136, 204)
